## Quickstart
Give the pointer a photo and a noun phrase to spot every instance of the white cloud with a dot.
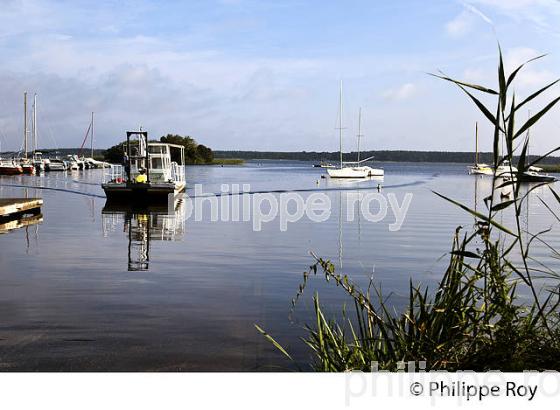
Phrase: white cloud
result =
(404, 92)
(460, 25)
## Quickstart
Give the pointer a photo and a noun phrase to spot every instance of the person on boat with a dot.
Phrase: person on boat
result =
(126, 164)
(142, 178)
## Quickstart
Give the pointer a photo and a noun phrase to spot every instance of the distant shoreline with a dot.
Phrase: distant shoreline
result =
(460, 157)
(222, 157)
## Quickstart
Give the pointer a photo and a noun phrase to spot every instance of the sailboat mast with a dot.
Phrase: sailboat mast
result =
(25, 124)
(340, 123)
(92, 134)
(34, 128)
(359, 130)
(476, 143)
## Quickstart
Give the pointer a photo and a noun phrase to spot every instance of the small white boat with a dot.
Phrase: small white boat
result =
(506, 170)
(72, 165)
(38, 161)
(55, 164)
(96, 164)
(481, 169)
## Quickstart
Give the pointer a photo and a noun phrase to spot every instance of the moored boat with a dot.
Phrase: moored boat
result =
(479, 168)
(534, 174)
(10, 168)
(55, 164)
(352, 170)
(28, 167)
(506, 170)
(148, 173)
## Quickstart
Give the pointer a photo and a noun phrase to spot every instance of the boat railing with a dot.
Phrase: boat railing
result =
(177, 172)
(115, 174)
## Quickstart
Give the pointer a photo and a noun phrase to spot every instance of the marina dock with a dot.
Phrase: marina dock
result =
(15, 207)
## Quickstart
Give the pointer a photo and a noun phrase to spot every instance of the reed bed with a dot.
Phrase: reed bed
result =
(474, 319)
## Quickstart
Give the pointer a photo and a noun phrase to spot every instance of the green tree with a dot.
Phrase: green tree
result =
(194, 153)
(115, 154)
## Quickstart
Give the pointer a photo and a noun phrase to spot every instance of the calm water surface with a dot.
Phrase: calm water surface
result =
(108, 289)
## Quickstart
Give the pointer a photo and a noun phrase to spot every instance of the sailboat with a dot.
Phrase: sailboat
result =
(37, 158)
(479, 168)
(352, 170)
(26, 164)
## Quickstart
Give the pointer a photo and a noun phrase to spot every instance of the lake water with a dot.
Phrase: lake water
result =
(109, 289)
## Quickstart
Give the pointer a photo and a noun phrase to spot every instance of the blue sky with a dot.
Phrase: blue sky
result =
(263, 75)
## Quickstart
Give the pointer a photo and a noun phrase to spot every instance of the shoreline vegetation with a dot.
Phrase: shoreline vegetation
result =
(463, 157)
(476, 318)
(220, 157)
(228, 161)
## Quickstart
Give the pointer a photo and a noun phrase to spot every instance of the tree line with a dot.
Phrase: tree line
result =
(195, 153)
(392, 156)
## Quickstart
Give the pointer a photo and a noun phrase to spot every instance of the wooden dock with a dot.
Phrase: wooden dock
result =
(14, 207)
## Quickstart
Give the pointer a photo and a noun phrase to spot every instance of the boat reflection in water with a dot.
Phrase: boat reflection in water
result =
(142, 226)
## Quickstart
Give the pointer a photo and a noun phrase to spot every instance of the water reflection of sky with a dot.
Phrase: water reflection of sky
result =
(70, 300)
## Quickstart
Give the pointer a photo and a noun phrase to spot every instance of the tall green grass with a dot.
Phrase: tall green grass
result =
(474, 319)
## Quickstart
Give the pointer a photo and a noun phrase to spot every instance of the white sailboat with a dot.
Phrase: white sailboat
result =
(26, 164)
(352, 170)
(37, 158)
(478, 168)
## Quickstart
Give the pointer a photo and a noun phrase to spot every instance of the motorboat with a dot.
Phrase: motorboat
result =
(10, 167)
(534, 174)
(506, 170)
(27, 166)
(38, 161)
(55, 164)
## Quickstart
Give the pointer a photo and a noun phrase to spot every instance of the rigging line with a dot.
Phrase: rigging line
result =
(85, 138)
(70, 191)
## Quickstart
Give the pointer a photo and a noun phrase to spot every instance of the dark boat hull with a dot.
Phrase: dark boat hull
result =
(536, 178)
(139, 194)
(9, 170)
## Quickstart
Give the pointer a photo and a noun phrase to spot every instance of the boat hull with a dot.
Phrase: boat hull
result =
(474, 170)
(11, 170)
(55, 167)
(355, 172)
(527, 177)
(28, 169)
(144, 193)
